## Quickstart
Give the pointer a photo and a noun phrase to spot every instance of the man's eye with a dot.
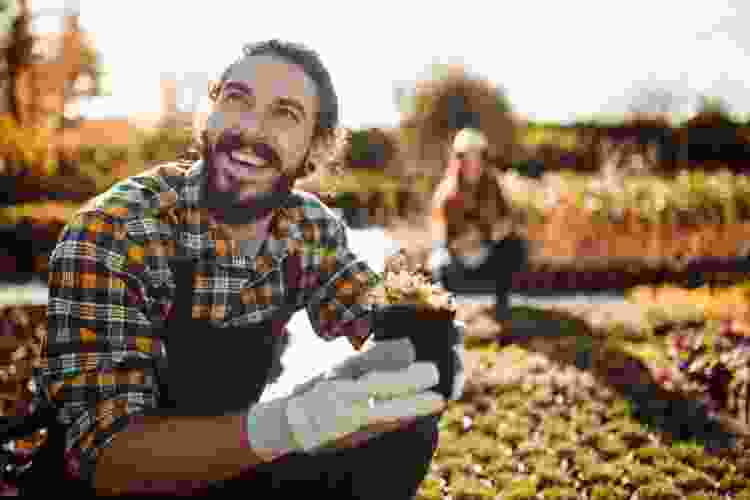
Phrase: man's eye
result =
(289, 113)
(233, 98)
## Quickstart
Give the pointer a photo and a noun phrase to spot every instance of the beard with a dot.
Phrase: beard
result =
(233, 207)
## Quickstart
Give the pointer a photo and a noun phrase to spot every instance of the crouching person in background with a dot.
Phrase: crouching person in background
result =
(475, 246)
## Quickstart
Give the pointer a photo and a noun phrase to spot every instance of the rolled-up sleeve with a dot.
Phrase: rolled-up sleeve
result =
(337, 303)
(100, 356)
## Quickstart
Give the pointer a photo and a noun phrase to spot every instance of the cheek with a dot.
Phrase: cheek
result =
(219, 121)
(292, 145)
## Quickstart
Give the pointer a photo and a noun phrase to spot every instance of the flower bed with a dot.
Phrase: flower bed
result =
(23, 335)
(533, 426)
(707, 335)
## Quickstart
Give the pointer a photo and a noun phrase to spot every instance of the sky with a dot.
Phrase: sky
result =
(556, 60)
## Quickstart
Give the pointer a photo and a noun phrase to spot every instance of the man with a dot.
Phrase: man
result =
(217, 256)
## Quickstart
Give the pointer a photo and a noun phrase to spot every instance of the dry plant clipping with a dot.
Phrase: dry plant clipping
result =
(399, 285)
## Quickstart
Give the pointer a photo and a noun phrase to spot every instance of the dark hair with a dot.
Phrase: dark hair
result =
(309, 61)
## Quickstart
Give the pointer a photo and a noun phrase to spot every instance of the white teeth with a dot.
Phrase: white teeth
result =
(248, 157)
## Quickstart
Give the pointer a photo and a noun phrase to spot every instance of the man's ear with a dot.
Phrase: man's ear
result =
(213, 88)
(320, 146)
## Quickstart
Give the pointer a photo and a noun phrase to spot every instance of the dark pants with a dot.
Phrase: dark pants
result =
(390, 466)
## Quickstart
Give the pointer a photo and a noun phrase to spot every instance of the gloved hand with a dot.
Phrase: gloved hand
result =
(439, 259)
(387, 355)
(334, 409)
(436, 336)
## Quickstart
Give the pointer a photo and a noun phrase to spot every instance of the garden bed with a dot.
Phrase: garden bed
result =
(556, 416)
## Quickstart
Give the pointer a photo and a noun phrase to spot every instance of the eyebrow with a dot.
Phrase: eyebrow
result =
(283, 101)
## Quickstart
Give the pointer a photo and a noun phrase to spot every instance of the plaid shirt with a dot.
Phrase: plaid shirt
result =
(110, 288)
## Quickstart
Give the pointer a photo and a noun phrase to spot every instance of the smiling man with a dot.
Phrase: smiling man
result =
(168, 296)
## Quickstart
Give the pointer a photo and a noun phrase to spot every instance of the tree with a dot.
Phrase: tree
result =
(42, 82)
(655, 101)
(72, 71)
(17, 53)
(709, 105)
(449, 98)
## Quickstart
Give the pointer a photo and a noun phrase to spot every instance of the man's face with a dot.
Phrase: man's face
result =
(260, 127)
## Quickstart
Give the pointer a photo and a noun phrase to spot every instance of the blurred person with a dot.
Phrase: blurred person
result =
(472, 225)
(460, 130)
(168, 294)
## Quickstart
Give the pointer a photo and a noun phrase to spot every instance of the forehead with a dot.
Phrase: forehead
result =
(273, 76)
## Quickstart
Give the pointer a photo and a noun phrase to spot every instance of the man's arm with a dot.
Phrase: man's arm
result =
(98, 320)
(333, 286)
(174, 454)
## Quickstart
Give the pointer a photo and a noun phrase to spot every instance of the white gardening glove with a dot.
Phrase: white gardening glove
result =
(336, 409)
(385, 355)
(474, 260)
(440, 257)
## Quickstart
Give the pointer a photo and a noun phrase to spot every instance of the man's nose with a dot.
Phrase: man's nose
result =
(251, 123)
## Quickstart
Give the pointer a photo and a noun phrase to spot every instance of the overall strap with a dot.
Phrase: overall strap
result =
(182, 268)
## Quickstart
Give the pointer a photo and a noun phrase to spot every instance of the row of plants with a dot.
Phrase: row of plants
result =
(708, 140)
(109, 164)
(694, 343)
(25, 145)
(706, 334)
(23, 335)
(533, 425)
(691, 197)
(29, 152)
(572, 236)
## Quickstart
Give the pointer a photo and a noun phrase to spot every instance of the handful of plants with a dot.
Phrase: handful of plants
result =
(405, 287)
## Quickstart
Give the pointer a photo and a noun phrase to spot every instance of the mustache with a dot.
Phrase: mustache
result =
(232, 140)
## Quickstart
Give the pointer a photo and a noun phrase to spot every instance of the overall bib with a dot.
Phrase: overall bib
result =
(212, 371)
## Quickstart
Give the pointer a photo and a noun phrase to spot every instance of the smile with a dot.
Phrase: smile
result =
(248, 158)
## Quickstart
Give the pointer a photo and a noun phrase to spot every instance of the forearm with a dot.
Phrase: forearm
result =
(171, 450)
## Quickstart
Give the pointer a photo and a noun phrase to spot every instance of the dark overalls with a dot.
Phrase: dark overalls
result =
(211, 371)
(214, 377)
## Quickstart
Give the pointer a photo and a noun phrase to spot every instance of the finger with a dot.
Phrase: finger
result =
(387, 355)
(459, 379)
(411, 380)
(397, 409)
(306, 386)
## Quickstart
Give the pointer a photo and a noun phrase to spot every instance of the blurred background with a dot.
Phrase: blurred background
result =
(620, 132)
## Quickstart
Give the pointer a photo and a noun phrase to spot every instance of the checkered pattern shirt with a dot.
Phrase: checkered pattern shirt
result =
(110, 289)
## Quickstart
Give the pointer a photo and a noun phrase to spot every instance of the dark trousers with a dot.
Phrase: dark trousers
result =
(390, 466)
